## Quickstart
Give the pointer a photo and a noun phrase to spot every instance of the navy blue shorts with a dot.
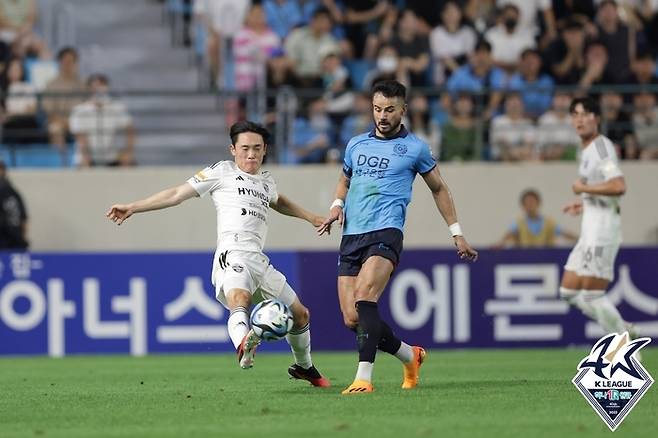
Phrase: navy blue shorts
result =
(356, 248)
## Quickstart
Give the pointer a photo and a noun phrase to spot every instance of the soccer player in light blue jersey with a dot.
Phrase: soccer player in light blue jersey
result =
(372, 195)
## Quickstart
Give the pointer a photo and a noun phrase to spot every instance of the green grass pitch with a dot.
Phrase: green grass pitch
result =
(483, 393)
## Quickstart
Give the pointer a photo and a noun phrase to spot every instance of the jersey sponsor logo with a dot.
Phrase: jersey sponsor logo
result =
(265, 199)
(373, 166)
(611, 378)
(373, 161)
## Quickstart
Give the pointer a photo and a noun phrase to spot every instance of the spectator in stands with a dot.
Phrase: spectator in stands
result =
(61, 94)
(533, 229)
(311, 135)
(644, 70)
(557, 140)
(535, 87)
(581, 10)
(222, 19)
(17, 19)
(96, 124)
(362, 23)
(282, 16)
(597, 64)
(337, 87)
(645, 124)
(481, 14)
(508, 40)
(618, 38)
(13, 215)
(387, 66)
(413, 48)
(306, 45)
(528, 12)
(566, 56)
(482, 77)
(451, 42)
(19, 118)
(422, 124)
(280, 74)
(358, 122)
(252, 46)
(617, 125)
(513, 135)
(459, 134)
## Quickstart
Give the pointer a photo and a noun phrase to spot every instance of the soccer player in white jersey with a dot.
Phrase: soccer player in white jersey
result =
(242, 194)
(589, 268)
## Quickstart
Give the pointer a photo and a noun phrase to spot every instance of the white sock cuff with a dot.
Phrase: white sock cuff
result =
(592, 294)
(567, 293)
(239, 309)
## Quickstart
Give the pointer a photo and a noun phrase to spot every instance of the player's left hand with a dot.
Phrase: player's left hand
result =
(578, 186)
(464, 250)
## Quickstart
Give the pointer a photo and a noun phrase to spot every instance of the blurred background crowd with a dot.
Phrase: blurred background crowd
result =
(488, 79)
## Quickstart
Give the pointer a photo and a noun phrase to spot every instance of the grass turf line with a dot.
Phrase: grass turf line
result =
(482, 393)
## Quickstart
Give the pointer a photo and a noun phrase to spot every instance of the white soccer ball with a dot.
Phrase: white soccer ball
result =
(271, 320)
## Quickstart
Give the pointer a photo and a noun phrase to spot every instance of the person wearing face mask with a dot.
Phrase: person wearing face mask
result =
(387, 67)
(96, 123)
(508, 40)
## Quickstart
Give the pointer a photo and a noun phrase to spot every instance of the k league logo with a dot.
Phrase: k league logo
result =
(612, 379)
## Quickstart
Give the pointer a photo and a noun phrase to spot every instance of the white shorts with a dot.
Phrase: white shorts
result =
(250, 271)
(589, 260)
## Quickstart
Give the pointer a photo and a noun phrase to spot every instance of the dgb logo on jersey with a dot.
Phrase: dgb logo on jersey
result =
(612, 379)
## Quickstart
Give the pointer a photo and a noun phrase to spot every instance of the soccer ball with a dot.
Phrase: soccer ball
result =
(271, 320)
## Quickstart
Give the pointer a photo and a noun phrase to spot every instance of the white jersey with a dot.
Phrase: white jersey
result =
(601, 222)
(242, 202)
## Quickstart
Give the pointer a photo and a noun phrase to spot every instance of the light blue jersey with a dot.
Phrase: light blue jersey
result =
(382, 173)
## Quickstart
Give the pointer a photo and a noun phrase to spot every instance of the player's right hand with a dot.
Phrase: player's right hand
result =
(119, 213)
(335, 214)
(573, 208)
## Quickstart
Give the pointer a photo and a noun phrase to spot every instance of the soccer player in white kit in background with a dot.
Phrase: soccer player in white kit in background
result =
(590, 266)
(242, 194)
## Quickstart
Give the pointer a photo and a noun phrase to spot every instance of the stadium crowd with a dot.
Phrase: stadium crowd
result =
(498, 73)
(489, 79)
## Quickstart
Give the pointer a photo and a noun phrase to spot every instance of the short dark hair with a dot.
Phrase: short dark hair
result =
(322, 10)
(100, 77)
(390, 88)
(67, 51)
(248, 126)
(589, 104)
(483, 44)
(530, 192)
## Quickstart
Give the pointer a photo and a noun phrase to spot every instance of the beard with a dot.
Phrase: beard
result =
(388, 128)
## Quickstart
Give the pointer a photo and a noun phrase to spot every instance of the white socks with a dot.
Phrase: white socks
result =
(364, 372)
(405, 353)
(238, 325)
(597, 306)
(575, 298)
(605, 312)
(300, 345)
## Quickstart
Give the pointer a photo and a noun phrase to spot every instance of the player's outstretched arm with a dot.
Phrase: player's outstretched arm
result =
(336, 209)
(285, 206)
(573, 208)
(118, 213)
(446, 206)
